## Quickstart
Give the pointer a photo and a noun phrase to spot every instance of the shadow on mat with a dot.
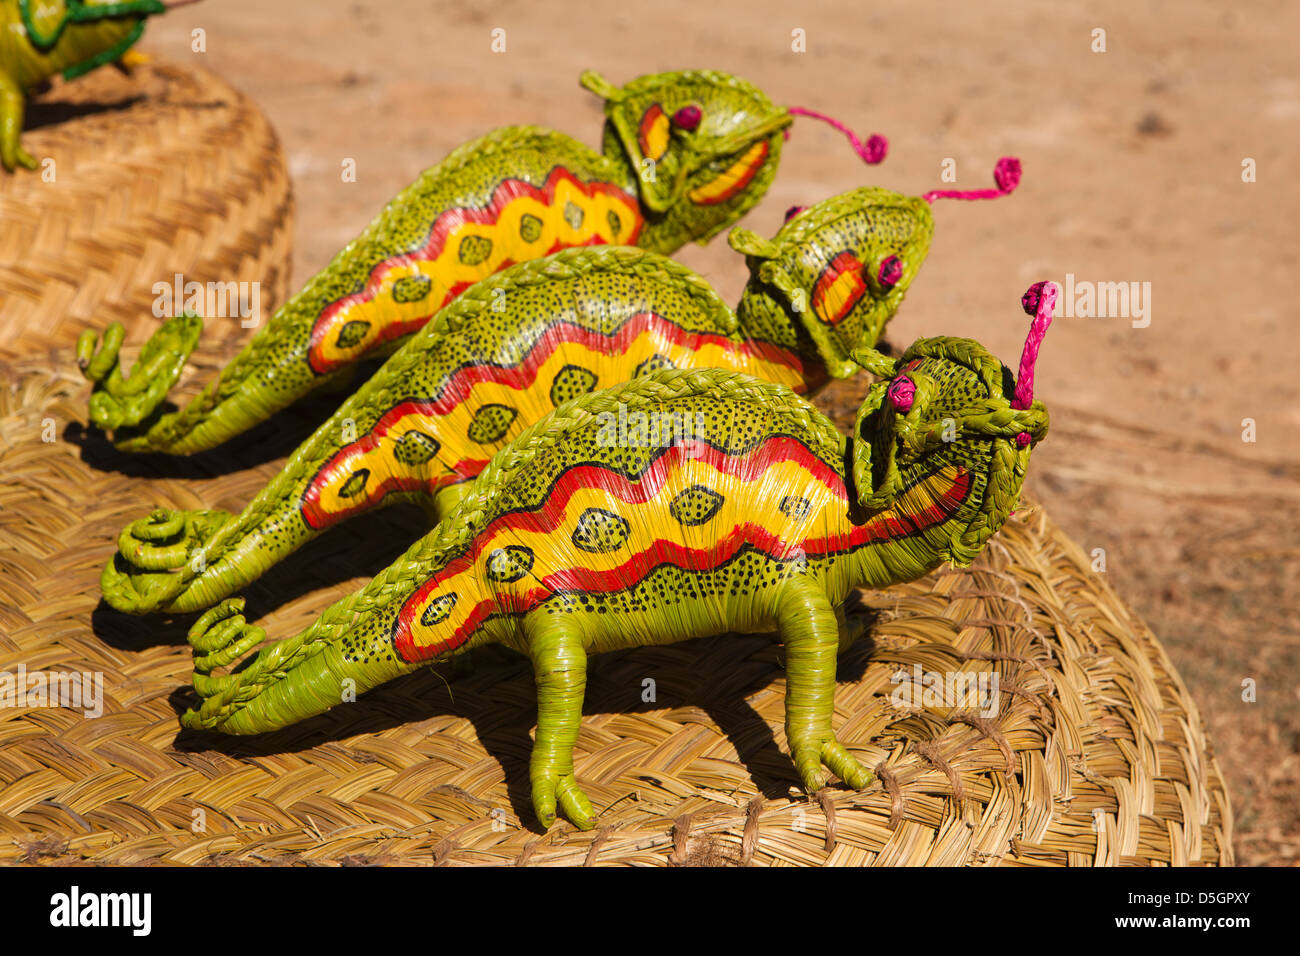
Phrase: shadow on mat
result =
(277, 437)
(360, 549)
(51, 113)
(716, 674)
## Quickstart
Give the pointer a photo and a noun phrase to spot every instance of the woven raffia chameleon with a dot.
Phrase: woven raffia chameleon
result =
(41, 38)
(526, 340)
(731, 505)
(685, 155)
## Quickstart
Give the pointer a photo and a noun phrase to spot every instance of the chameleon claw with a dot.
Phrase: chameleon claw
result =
(845, 766)
(96, 364)
(119, 401)
(24, 159)
(808, 763)
(562, 792)
(810, 757)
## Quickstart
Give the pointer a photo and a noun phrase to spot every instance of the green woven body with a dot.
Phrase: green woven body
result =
(517, 194)
(39, 40)
(680, 504)
(517, 345)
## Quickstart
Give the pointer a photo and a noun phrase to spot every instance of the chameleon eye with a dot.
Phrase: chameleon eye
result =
(891, 270)
(688, 118)
(901, 393)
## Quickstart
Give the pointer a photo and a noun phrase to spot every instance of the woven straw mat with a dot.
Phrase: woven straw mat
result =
(161, 172)
(1096, 756)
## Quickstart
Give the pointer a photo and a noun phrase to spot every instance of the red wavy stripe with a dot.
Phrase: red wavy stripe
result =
(447, 222)
(317, 518)
(660, 552)
(523, 375)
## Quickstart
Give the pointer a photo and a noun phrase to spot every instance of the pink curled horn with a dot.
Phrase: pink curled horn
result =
(1006, 174)
(872, 151)
(1038, 301)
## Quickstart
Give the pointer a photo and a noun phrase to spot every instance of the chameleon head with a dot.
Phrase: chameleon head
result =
(838, 270)
(703, 145)
(948, 407)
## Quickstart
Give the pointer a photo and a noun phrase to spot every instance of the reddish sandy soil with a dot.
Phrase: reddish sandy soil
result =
(1133, 172)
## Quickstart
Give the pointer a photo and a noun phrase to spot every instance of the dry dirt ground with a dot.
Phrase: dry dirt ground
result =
(1133, 163)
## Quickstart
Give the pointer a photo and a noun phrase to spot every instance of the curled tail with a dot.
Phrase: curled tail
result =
(124, 401)
(271, 373)
(458, 223)
(332, 662)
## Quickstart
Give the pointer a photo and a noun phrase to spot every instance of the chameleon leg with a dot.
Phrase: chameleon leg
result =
(808, 624)
(156, 559)
(11, 126)
(440, 505)
(332, 662)
(560, 667)
(852, 627)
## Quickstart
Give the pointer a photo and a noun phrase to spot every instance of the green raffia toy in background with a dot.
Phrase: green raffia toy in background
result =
(686, 154)
(40, 38)
(526, 340)
(731, 506)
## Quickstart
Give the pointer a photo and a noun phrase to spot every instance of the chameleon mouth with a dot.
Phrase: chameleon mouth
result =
(732, 180)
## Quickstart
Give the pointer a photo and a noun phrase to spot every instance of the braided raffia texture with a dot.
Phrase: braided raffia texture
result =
(469, 517)
(1096, 756)
(163, 172)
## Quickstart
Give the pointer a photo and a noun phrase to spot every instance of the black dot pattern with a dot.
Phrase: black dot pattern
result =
(355, 484)
(438, 610)
(570, 382)
(793, 506)
(352, 334)
(474, 250)
(653, 364)
(530, 228)
(490, 424)
(415, 448)
(599, 531)
(411, 288)
(695, 506)
(508, 564)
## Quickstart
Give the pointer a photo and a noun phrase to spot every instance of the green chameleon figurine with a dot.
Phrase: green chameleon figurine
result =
(685, 155)
(524, 341)
(732, 505)
(39, 38)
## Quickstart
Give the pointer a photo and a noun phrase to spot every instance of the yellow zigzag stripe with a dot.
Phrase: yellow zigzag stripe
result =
(531, 401)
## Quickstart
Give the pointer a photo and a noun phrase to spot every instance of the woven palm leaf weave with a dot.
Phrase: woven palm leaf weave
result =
(165, 171)
(1096, 755)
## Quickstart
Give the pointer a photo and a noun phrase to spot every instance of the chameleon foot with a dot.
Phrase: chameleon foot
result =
(219, 638)
(550, 788)
(20, 157)
(157, 557)
(123, 401)
(809, 758)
